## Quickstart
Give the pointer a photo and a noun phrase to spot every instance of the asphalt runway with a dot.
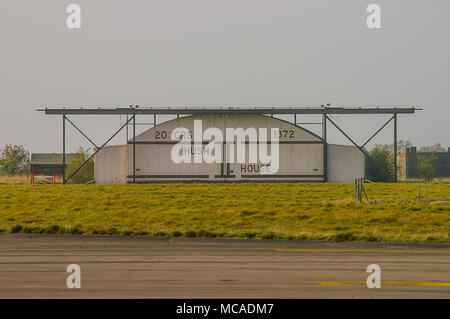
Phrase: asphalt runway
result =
(34, 266)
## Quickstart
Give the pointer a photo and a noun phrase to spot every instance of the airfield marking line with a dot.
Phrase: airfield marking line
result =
(364, 251)
(388, 283)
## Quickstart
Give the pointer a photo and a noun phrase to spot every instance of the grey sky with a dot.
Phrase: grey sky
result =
(222, 53)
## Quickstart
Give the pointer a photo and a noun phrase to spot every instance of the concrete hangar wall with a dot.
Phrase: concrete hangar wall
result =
(301, 155)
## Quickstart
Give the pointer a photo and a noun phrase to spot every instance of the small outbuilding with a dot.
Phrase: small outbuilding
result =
(49, 164)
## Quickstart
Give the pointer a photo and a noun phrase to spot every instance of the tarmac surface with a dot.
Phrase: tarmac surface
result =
(34, 266)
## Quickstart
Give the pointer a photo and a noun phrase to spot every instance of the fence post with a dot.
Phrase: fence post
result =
(359, 190)
(420, 186)
(363, 190)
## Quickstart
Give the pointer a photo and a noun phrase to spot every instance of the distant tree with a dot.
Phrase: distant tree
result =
(402, 145)
(86, 173)
(425, 166)
(379, 164)
(433, 148)
(14, 160)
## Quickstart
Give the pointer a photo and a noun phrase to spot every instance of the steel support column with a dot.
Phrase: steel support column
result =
(64, 150)
(134, 148)
(325, 147)
(395, 148)
(127, 127)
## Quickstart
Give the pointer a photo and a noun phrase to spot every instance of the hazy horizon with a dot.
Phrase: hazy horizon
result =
(223, 53)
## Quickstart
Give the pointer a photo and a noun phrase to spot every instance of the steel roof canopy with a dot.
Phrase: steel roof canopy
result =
(230, 110)
(136, 110)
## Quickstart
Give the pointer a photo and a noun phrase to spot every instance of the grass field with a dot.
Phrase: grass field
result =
(16, 180)
(270, 211)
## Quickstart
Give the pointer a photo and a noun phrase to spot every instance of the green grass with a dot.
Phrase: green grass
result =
(313, 211)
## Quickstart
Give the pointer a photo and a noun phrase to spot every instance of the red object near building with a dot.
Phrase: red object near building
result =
(48, 165)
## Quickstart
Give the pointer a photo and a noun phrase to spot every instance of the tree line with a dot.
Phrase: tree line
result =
(15, 160)
(380, 162)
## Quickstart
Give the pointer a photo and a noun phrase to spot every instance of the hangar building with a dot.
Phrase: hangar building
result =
(303, 156)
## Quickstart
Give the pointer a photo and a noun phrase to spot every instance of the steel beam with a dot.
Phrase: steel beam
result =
(81, 132)
(348, 137)
(379, 130)
(227, 111)
(90, 157)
